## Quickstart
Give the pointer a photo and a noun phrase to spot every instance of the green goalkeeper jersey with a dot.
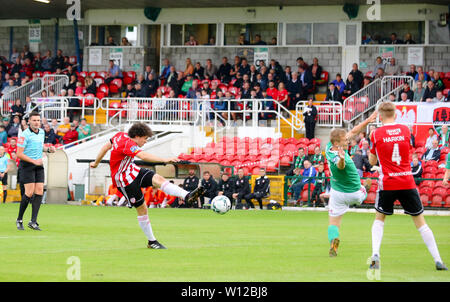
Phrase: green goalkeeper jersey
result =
(346, 180)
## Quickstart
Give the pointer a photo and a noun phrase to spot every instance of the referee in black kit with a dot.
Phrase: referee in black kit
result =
(30, 149)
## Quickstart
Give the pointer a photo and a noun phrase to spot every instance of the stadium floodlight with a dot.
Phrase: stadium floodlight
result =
(43, 1)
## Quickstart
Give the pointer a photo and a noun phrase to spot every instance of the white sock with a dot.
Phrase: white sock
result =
(152, 205)
(164, 203)
(428, 238)
(377, 236)
(110, 200)
(122, 201)
(145, 225)
(173, 190)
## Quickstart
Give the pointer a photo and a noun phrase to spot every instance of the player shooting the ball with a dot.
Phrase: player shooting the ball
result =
(129, 178)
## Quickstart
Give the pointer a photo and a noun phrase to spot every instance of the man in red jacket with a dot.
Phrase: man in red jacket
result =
(71, 136)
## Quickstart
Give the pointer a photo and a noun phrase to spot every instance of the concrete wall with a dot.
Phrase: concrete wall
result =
(329, 57)
(435, 57)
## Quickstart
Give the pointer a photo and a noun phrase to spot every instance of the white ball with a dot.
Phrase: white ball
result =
(221, 204)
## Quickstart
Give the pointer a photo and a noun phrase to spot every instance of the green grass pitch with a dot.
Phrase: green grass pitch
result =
(205, 246)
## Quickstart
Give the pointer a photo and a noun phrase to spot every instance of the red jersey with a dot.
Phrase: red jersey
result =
(282, 94)
(273, 92)
(123, 169)
(11, 149)
(391, 144)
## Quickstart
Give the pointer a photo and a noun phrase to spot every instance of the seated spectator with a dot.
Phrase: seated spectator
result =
(125, 42)
(333, 94)
(316, 69)
(74, 104)
(392, 68)
(298, 162)
(50, 136)
(223, 74)
(12, 146)
(379, 74)
(379, 64)
(30, 106)
(140, 91)
(320, 186)
(210, 186)
(437, 81)
(242, 40)
(353, 147)
(226, 186)
(211, 42)
(11, 86)
(140, 79)
(407, 89)
(258, 40)
(235, 68)
(357, 75)
(302, 179)
(412, 71)
(420, 72)
(366, 81)
(440, 97)
(272, 91)
(130, 92)
(110, 41)
(165, 70)
(351, 86)
(72, 82)
(244, 68)
(394, 39)
(339, 83)
(361, 162)
(91, 85)
(58, 61)
(71, 135)
(253, 74)
(83, 129)
(47, 61)
(433, 153)
(16, 67)
(306, 79)
(187, 84)
(260, 190)
(210, 70)
(404, 97)
(302, 63)
(317, 158)
(191, 41)
(199, 72)
(3, 135)
(416, 169)
(418, 93)
(429, 93)
(17, 109)
(114, 72)
(152, 84)
(23, 126)
(268, 105)
(62, 129)
(189, 67)
(444, 137)
(282, 95)
(27, 68)
(14, 128)
(408, 39)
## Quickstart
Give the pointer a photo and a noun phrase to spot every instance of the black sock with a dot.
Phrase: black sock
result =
(35, 204)
(23, 206)
(5, 193)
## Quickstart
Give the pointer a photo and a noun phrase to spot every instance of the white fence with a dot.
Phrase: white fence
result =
(329, 114)
(362, 101)
(20, 93)
(394, 84)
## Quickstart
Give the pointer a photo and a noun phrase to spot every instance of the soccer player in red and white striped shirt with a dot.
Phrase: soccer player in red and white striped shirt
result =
(391, 147)
(129, 178)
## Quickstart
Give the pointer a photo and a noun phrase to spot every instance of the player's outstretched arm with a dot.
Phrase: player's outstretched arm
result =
(358, 128)
(101, 154)
(155, 159)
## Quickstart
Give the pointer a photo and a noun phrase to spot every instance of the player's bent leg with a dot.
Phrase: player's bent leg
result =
(174, 190)
(146, 227)
(428, 238)
(333, 234)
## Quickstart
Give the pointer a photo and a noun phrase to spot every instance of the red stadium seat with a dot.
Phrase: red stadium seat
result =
(425, 198)
(436, 201)
(323, 79)
(371, 196)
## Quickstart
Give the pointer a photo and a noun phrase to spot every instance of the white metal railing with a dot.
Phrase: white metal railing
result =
(329, 114)
(394, 84)
(20, 93)
(361, 101)
(52, 83)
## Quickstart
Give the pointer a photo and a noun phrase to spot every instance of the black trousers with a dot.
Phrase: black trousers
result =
(210, 195)
(256, 195)
(310, 127)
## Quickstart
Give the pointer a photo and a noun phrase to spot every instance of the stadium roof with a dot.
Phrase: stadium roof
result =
(27, 9)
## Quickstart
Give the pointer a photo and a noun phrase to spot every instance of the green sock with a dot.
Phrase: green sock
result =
(333, 232)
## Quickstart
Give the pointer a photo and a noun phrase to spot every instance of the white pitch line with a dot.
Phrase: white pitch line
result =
(13, 237)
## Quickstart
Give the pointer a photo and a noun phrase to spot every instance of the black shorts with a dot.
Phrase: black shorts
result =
(5, 180)
(133, 192)
(409, 199)
(30, 173)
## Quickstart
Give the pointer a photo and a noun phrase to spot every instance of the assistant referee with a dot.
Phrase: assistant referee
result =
(29, 150)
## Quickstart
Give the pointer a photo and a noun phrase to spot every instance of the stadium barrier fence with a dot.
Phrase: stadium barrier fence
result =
(329, 114)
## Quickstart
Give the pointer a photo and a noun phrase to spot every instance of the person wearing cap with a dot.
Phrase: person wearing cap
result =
(241, 187)
(261, 190)
(71, 135)
(226, 187)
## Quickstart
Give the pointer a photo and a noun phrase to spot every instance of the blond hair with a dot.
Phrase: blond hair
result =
(336, 134)
(386, 110)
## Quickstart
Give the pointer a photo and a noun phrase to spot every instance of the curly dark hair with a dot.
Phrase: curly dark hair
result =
(140, 129)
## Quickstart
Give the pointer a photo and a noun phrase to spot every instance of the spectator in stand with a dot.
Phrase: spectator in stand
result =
(339, 83)
(223, 74)
(23, 127)
(110, 41)
(229, 101)
(205, 86)
(72, 83)
(15, 126)
(84, 130)
(302, 63)
(125, 42)
(357, 75)
(366, 148)
(62, 129)
(316, 69)
(420, 72)
(71, 135)
(298, 162)
(408, 39)
(392, 68)
(140, 91)
(187, 84)
(165, 70)
(91, 85)
(320, 186)
(305, 177)
(413, 139)
(50, 136)
(152, 84)
(140, 79)
(210, 186)
(294, 87)
(74, 105)
(191, 41)
(260, 190)
(429, 93)
(261, 82)
(47, 61)
(333, 94)
(199, 71)
(235, 68)
(317, 158)
(253, 74)
(27, 68)
(12, 146)
(189, 67)
(272, 91)
(437, 81)
(54, 125)
(148, 70)
(15, 159)
(440, 97)
(6, 124)
(416, 169)
(17, 109)
(267, 105)
(70, 72)
(130, 92)
(418, 94)
(361, 162)
(379, 64)
(394, 39)
(433, 153)
(242, 40)
(412, 71)
(283, 95)
(404, 97)
(444, 136)
(16, 67)
(258, 91)
(244, 68)
(114, 72)
(277, 69)
(353, 147)
(210, 70)
(226, 186)
(27, 53)
(431, 74)
(306, 79)
(10, 87)
(29, 106)
(5, 83)
(351, 86)
(191, 182)
(192, 92)
(172, 78)
(211, 42)
(422, 80)
(15, 54)
(380, 74)
(310, 117)
(3, 135)
(58, 61)
(258, 40)
(431, 137)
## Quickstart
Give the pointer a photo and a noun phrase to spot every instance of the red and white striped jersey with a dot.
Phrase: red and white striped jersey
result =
(391, 144)
(123, 169)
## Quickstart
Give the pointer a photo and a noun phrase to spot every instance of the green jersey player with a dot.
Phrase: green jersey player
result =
(346, 188)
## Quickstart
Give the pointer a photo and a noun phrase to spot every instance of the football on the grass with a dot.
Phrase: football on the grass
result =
(221, 204)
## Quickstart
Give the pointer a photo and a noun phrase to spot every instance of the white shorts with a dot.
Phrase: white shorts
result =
(340, 202)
